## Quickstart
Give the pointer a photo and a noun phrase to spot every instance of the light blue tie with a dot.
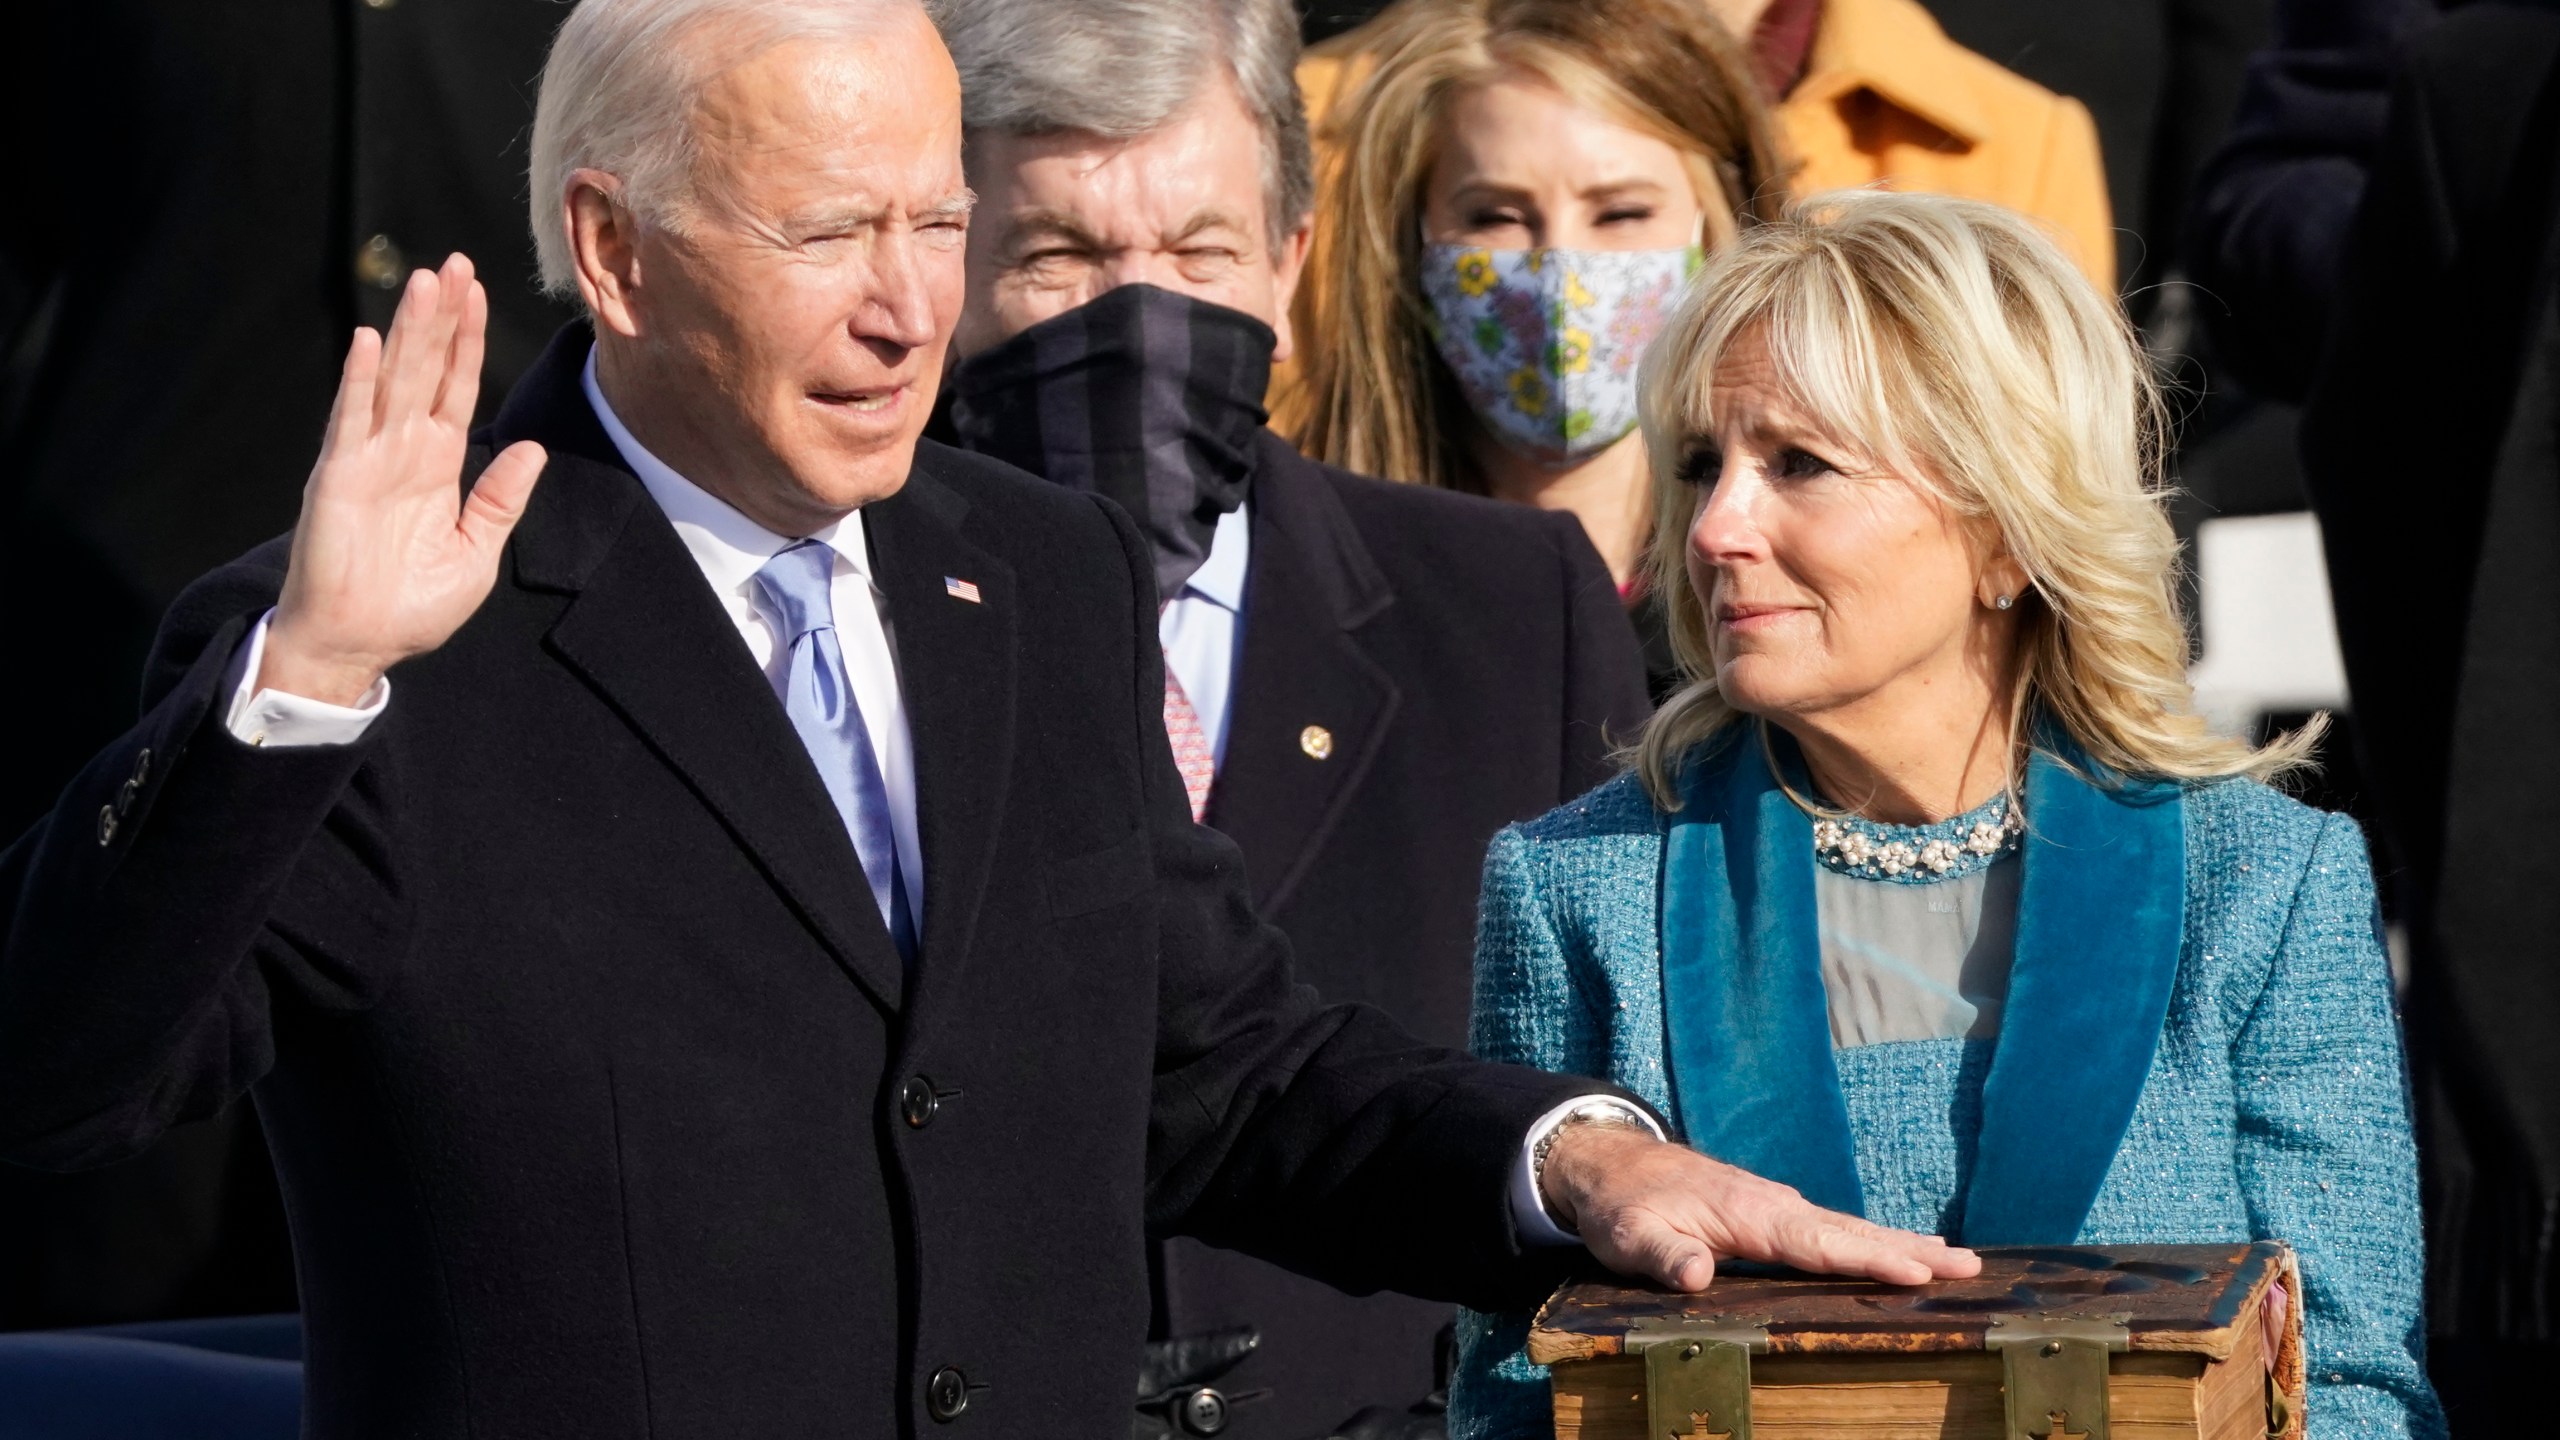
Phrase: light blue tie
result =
(795, 589)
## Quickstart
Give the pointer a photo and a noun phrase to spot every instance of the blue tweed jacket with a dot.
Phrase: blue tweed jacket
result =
(2199, 1045)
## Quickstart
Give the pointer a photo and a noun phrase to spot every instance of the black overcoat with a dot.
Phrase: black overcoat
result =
(601, 1103)
(1459, 664)
(2432, 444)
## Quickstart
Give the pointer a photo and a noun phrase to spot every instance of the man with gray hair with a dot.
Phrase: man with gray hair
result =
(695, 880)
(1364, 681)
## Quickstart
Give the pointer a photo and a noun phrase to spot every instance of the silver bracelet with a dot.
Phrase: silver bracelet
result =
(1603, 1111)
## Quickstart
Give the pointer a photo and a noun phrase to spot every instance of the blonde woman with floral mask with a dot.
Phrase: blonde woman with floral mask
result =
(1518, 192)
(1928, 894)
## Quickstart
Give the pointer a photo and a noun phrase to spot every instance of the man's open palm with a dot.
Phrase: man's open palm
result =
(389, 557)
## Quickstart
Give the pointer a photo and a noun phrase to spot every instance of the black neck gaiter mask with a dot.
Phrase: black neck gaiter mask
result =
(1148, 398)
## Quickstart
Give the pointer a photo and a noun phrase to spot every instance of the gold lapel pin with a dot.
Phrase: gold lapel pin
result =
(1317, 741)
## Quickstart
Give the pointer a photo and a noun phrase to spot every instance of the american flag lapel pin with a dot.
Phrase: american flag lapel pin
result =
(959, 589)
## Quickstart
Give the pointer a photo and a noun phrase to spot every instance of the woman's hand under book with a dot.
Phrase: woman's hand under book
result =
(1670, 1214)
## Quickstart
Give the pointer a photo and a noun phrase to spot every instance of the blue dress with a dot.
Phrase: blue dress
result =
(2199, 1045)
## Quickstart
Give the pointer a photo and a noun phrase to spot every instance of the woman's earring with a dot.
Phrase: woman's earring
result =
(2000, 604)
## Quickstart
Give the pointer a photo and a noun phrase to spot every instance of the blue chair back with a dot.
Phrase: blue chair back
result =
(229, 1379)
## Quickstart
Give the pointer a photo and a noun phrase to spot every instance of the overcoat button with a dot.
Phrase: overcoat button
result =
(106, 825)
(126, 796)
(142, 765)
(1317, 741)
(1204, 1412)
(946, 1394)
(918, 1103)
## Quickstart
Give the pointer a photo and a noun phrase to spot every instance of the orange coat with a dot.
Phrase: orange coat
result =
(1886, 96)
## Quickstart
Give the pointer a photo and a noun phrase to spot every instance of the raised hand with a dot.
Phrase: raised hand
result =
(389, 558)
(1669, 1214)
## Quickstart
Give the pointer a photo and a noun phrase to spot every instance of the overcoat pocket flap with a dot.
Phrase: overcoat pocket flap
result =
(1100, 879)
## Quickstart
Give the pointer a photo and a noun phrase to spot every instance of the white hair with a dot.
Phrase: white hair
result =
(618, 91)
(1120, 68)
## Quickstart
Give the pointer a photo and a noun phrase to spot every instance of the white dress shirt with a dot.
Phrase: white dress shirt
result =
(1203, 628)
(731, 548)
(272, 717)
(1200, 630)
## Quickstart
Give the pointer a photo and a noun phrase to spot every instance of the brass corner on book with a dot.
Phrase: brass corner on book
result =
(1697, 1377)
(2053, 1373)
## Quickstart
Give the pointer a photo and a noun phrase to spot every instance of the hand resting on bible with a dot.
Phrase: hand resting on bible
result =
(1666, 1213)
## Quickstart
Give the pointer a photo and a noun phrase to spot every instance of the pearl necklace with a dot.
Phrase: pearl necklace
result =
(1917, 854)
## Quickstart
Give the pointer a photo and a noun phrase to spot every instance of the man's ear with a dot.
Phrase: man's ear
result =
(603, 246)
(1287, 265)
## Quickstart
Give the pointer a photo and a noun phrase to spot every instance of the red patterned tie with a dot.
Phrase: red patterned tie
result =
(1190, 745)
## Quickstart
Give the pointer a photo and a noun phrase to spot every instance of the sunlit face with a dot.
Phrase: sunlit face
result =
(1829, 580)
(793, 333)
(1065, 217)
(1521, 166)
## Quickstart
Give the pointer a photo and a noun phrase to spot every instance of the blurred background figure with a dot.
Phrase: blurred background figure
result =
(1435, 110)
(2273, 207)
(1866, 91)
(206, 200)
(1365, 680)
(1518, 194)
(2269, 216)
(2432, 445)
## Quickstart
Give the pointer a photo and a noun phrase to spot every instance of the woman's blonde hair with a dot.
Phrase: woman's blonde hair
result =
(1956, 344)
(1376, 396)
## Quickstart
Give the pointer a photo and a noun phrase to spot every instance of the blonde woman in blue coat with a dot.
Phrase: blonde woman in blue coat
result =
(1929, 895)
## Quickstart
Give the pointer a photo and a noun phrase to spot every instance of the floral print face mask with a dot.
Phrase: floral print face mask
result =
(1545, 342)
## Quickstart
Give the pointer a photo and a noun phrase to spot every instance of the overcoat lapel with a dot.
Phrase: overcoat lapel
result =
(956, 668)
(2101, 920)
(1749, 1033)
(1311, 586)
(645, 631)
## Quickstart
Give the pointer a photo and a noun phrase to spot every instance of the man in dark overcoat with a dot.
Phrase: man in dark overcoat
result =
(711, 920)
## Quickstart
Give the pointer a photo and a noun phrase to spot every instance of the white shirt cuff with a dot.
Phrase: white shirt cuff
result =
(276, 720)
(1529, 1216)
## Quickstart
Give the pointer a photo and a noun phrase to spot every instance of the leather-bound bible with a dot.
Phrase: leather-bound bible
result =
(2126, 1342)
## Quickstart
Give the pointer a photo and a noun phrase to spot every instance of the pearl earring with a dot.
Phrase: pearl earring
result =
(2000, 604)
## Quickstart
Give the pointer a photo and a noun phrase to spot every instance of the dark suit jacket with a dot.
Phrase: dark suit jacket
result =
(1469, 661)
(601, 1104)
(2432, 444)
